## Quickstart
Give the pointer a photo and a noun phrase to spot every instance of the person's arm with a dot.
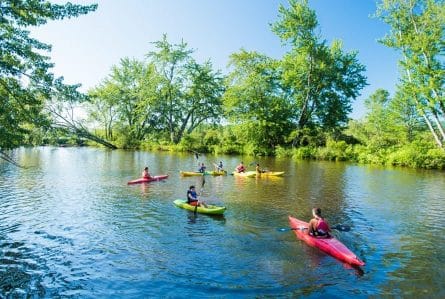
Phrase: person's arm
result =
(311, 228)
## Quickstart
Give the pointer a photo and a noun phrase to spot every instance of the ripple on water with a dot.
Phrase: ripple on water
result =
(72, 227)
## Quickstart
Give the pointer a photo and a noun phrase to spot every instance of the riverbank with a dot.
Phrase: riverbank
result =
(416, 155)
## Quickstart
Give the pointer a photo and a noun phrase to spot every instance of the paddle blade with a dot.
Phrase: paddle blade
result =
(342, 228)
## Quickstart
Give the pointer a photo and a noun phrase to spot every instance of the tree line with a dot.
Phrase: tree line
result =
(296, 105)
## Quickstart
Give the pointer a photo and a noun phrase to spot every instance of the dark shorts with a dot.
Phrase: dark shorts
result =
(319, 234)
(193, 203)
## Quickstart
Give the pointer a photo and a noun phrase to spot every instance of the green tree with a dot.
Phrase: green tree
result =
(321, 80)
(127, 100)
(254, 101)
(407, 116)
(25, 78)
(381, 128)
(189, 93)
(388, 122)
(102, 108)
(417, 31)
(202, 98)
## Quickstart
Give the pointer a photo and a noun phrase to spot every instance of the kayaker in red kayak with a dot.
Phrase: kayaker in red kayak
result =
(146, 174)
(318, 226)
(192, 198)
(240, 168)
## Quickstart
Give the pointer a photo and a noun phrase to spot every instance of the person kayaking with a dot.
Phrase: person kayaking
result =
(318, 226)
(202, 168)
(192, 197)
(240, 168)
(146, 174)
(258, 169)
(220, 167)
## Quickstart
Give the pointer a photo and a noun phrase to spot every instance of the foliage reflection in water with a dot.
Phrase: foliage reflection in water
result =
(70, 226)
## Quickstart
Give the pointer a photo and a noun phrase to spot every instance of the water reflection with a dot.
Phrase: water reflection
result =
(71, 226)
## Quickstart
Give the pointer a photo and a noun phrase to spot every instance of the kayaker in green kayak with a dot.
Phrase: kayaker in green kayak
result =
(318, 226)
(192, 198)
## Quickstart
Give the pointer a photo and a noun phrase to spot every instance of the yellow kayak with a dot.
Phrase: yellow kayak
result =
(249, 174)
(196, 173)
(216, 173)
(191, 173)
(211, 209)
(270, 173)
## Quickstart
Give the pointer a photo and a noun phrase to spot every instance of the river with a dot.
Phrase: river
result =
(70, 226)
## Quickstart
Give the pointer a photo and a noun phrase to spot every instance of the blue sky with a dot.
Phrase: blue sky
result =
(85, 48)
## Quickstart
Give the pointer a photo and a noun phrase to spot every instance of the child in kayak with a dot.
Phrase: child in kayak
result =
(240, 168)
(192, 197)
(146, 174)
(258, 169)
(318, 226)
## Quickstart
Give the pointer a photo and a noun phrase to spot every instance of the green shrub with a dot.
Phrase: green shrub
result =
(282, 152)
(418, 155)
(306, 152)
(435, 159)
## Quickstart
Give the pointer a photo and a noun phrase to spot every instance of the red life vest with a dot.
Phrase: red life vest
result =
(322, 226)
(240, 168)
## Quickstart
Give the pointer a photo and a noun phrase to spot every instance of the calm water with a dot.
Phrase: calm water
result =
(71, 227)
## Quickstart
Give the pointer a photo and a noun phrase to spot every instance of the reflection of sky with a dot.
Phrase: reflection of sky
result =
(400, 212)
(74, 217)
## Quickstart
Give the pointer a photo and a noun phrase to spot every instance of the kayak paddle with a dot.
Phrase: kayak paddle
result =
(339, 227)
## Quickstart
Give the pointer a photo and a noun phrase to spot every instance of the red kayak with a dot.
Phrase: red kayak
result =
(147, 180)
(329, 245)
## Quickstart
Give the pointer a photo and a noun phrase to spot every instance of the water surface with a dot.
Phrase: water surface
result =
(71, 227)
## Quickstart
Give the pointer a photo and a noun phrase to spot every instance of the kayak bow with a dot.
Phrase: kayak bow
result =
(147, 180)
(211, 209)
(270, 173)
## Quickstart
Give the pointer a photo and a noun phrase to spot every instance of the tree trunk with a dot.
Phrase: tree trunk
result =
(439, 126)
(418, 104)
(436, 138)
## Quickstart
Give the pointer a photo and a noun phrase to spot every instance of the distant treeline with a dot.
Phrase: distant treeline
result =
(295, 106)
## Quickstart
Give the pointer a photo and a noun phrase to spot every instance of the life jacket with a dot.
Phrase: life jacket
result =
(240, 168)
(193, 194)
(322, 227)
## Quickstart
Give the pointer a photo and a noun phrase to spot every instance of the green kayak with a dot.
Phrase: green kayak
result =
(211, 209)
